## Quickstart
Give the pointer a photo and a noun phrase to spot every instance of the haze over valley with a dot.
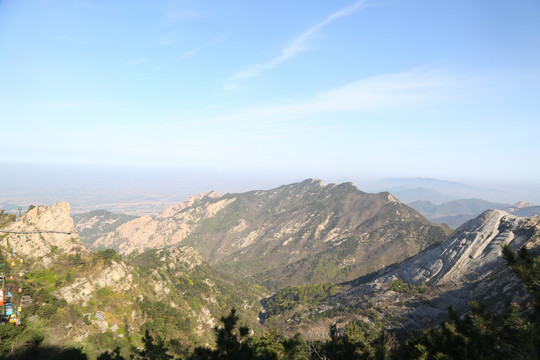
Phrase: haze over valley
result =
(149, 190)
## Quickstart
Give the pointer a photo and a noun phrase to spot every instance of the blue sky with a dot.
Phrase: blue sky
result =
(446, 89)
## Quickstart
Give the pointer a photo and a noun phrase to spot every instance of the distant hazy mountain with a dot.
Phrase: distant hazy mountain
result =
(457, 207)
(294, 234)
(455, 213)
(408, 195)
(454, 221)
(524, 208)
(439, 191)
(432, 183)
(530, 211)
(434, 190)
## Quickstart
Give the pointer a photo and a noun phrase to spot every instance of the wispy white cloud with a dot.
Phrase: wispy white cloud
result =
(137, 61)
(192, 52)
(275, 128)
(295, 46)
(183, 14)
(55, 105)
(414, 88)
(166, 41)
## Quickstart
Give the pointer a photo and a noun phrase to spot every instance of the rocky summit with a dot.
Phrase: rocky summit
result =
(300, 233)
(42, 232)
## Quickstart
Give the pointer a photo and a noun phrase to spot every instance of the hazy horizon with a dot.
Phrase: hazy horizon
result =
(445, 89)
(149, 190)
(157, 101)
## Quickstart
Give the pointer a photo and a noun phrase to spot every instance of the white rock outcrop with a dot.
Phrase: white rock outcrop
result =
(467, 266)
(116, 276)
(42, 232)
(170, 227)
(472, 252)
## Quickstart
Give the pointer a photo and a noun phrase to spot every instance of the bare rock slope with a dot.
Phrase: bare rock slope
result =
(416, 293)
(94, 224)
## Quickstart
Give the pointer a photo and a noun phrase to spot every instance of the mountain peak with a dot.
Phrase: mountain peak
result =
(523, 204)
(306, 232)
(313, 181)
(310, 183)
(189, 202)
(389, 196)
(43, 231)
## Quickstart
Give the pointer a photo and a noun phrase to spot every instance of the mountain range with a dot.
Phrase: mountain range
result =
(302, 233)
(299, 258)
(454, 213)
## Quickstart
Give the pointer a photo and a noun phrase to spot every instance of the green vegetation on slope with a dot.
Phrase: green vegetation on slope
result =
(404, 287)
(6, 219)
(294, 296)
(479, 335)
(169, 297)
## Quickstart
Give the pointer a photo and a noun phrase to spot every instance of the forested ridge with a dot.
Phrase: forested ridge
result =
(478, 335)
(168, 303)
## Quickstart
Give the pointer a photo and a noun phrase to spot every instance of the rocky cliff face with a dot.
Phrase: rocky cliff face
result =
(95, 224)
(43, 232)
(116, 276)
(299, 233)
(467, 266)
(475, 245)
(169, 228)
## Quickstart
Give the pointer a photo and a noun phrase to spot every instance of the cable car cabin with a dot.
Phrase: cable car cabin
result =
(8, 309)
(14, 319)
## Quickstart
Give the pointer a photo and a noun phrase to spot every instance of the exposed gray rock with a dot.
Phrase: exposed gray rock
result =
(467, 266)
(472, 251)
